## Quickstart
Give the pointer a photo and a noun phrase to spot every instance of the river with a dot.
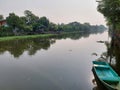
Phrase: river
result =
(62, 63)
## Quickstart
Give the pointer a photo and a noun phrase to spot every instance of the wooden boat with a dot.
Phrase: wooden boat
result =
(106, 75)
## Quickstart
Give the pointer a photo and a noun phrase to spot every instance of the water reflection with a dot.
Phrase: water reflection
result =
(112, 56)
(55, 64)
(18, 47)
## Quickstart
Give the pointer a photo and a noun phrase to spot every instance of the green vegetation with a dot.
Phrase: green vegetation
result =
(1, 17)
(31, 44)
(30, 24)
(111, 11)
(86, 27)
(26, 37)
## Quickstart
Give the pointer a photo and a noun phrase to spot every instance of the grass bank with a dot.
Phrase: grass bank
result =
(26, 37)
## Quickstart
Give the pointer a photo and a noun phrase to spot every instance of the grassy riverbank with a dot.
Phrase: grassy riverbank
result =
(26, 37)
(7, 38)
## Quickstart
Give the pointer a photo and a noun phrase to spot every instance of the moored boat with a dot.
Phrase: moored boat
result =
(106, 75)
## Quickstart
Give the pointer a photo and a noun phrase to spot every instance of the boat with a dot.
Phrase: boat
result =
(106, 75)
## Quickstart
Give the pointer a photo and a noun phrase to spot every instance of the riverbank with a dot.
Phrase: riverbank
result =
(47, 35)
(26, 37)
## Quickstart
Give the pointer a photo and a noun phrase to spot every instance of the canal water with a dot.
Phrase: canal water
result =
(62, 63)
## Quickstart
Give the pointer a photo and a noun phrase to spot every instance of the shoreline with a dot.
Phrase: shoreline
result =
(26, 37)
(48, 35)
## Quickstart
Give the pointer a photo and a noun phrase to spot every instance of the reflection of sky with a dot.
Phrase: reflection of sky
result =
(66, 65)
(56, 10)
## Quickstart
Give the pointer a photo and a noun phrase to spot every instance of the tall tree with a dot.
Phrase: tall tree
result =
(30, 17)
(44, 21)
(111, 10)
(14, 21)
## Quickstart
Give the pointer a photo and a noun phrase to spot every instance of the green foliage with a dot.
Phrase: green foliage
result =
(14, 21)
(111, 10)
(44, 21)
(76, 26)
(30, 17)
(1, 17)
(31, 24)
(6, 31)
(53, 27)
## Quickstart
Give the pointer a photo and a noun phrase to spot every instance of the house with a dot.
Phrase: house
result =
(3, 23)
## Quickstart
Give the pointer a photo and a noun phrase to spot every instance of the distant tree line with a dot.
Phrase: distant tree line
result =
(30, 24)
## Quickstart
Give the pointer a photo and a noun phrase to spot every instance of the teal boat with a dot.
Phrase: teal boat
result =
(106, 75)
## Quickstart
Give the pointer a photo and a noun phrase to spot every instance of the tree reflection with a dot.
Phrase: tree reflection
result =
(77, 35)
(18, 47)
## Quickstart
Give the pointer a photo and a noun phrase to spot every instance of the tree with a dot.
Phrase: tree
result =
(1, 17)
(87, 27)
(30, 17)
(44, 21)
(111, 10)
(14, 21)
(53, 27)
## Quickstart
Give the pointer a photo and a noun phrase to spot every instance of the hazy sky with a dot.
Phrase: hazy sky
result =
(58, 11)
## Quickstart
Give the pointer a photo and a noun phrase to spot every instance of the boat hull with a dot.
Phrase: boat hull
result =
(103, 69)
(100, 85)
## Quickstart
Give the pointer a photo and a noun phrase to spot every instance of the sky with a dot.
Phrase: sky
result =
(57, 11)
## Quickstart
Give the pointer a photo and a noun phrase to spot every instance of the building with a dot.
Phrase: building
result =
(3, 23)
